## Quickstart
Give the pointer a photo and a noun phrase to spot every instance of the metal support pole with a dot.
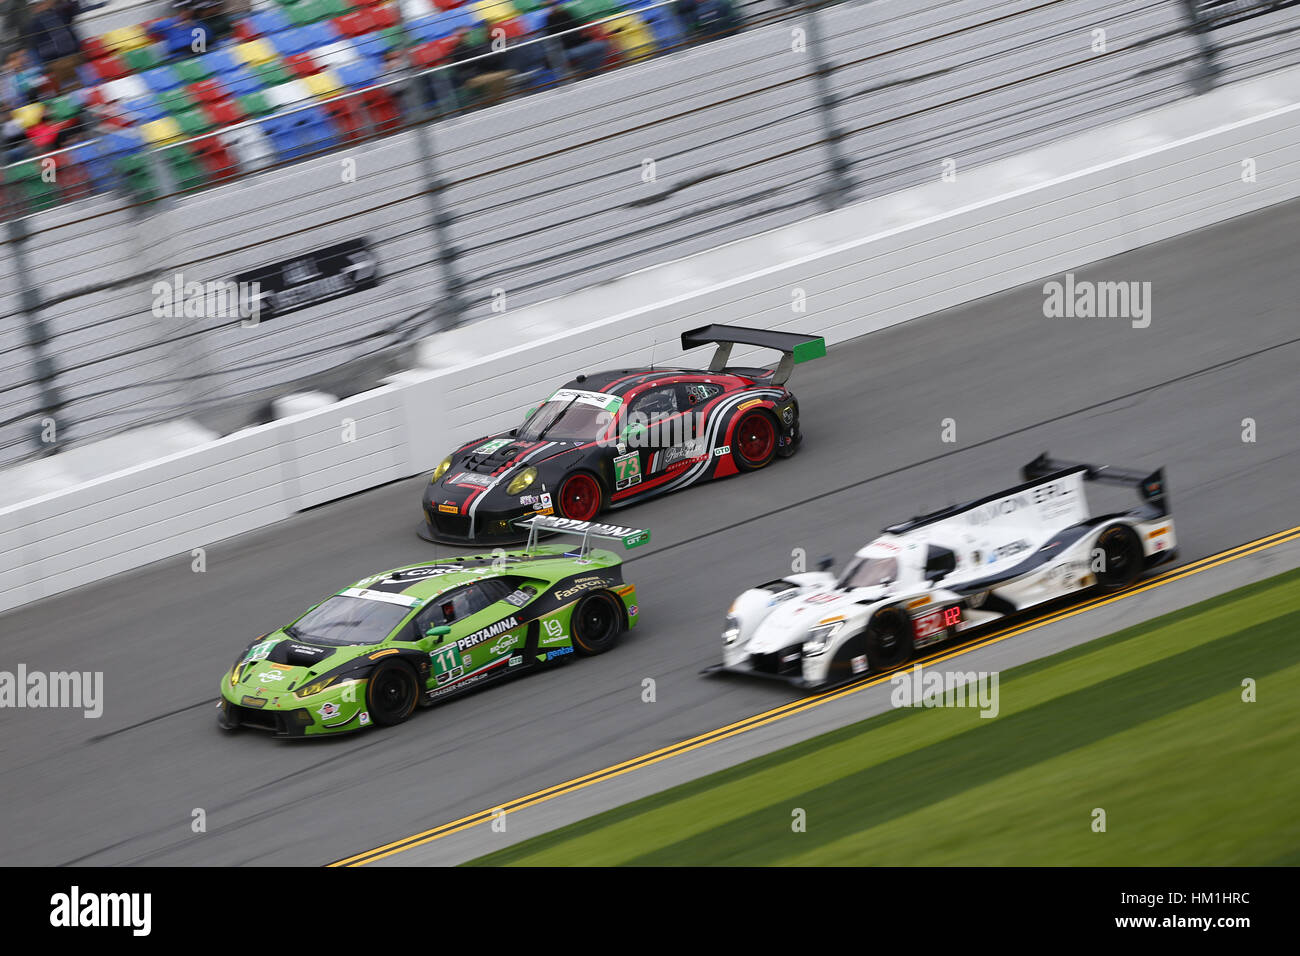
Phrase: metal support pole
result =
(839, 186)
(38, 338)
(449, 311)
(1206, 75)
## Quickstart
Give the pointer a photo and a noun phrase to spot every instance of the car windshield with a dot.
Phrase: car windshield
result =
(344, 620)
(571, 415)
(870, 572)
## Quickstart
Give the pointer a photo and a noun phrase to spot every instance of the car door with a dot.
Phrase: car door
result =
(483, 629)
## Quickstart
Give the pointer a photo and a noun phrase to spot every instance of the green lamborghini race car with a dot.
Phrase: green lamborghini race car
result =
(417, 635)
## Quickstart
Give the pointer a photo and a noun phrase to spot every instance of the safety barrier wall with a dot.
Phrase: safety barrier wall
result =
(546, 195)
(884, 277)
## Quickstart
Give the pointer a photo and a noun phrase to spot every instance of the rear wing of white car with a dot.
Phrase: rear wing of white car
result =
(631, 537)
(1150, 488)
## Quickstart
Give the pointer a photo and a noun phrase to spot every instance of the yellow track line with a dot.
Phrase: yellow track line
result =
(808, 703)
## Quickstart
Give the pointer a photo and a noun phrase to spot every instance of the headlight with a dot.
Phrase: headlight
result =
(819, 638)
(731, 630)
(315, 688)
(521, 481)
(441, 469)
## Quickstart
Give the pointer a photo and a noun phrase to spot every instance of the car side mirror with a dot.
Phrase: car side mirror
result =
(935, 574)
(825, 562)
(437, 632)
(530, 413)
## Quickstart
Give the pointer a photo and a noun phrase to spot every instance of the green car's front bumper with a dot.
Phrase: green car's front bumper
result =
(338, 709)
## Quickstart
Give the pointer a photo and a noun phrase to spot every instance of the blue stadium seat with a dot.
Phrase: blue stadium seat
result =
(270, 22)
(358, 74)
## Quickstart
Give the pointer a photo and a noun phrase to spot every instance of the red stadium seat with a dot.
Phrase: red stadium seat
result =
(244, 30)
(432, 53)
(215, 158)
(384, 17)
(446, 4)
(384, 114)
(356, 24)
(206, 91)
(225, 112)
(111, 67)
(93, 48)
(301, 64)
(345, 113)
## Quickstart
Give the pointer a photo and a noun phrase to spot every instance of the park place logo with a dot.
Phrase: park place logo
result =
(53, 689)
(77, 909)
(1083, 299)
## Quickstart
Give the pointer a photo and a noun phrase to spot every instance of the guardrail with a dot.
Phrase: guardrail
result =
(977, 240)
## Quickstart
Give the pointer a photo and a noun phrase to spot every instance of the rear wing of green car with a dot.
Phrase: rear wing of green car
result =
(794, 347)
(631, 537)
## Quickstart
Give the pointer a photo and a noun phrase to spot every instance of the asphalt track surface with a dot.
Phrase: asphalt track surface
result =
(1223, 345)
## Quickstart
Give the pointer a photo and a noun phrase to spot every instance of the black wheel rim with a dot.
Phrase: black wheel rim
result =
(391, 693)
(597, 622)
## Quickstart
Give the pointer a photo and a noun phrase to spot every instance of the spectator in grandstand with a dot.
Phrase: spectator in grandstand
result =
(708, 19)
(584, 54)
(19, 83)
(53, 40)
(210, 15)
(13, 141)
(478, 69)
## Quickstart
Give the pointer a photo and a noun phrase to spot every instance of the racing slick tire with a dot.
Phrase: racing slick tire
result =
(391, 693)
(596, 624)
(889, 638)
(753, 442)
(581, 497)
(1121, 553)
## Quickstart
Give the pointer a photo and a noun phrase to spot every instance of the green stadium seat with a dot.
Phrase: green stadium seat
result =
(33, 191)
(255, 104)
(176, 101)
(137, 177)
(272, 73)
(187, 172)
(192, 70)
(193, 122)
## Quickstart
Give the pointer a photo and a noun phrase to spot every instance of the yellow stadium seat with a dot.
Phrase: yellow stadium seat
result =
(323, 84)
(632, 37)
(125, 38)
(29, 115)
(254, 52)
(165, 130)
(494, 11)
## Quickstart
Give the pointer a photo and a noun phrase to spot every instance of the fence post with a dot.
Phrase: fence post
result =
(37, 335)
(838, 187)
(1207, 73)
(448, 311)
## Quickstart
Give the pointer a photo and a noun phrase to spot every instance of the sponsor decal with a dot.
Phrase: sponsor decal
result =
(304, 651)
(558, 652)
(365, 717)
(383, 653)
(469, 478)
(488, 447)
(529, 499)
(689, 450)
(749, 404)
(631, 610)
(859, 663)
(1009, 550)
(517, 598)
(721, 450)
(516, 660)
(328, 710)
(267, 677)
(627, 470)
(544, 506)
(503, 645)
(579, 586)
(260, 652)
(491, 631)
(449, 509)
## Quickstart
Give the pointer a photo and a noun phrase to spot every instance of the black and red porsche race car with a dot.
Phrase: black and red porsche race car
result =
(609, 439)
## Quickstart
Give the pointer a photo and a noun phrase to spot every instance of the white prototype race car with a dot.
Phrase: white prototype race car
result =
(941, 575)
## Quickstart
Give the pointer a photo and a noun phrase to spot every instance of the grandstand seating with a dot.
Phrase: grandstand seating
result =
(304, 71)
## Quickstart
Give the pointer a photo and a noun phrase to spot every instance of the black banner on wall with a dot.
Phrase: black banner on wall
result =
(312, 278)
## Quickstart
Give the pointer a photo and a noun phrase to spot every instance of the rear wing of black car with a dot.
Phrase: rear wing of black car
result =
(794, 347)
(1150, 488)
(631, 537)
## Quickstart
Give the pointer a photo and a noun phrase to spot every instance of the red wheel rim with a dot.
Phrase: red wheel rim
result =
(757, 438)
(580, 498)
